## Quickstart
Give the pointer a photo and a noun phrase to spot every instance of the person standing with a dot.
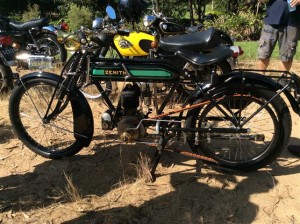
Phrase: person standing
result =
(283, 26)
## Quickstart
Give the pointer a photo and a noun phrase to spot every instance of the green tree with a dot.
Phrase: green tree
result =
(79, 16)
(33, 12)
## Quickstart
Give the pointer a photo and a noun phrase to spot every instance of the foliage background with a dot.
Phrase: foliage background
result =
(242, 19)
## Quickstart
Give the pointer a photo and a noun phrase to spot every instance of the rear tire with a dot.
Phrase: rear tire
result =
(184, 90)
(267, 132)
(50, 46)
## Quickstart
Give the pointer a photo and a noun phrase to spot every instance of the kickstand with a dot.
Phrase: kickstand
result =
(158, 154)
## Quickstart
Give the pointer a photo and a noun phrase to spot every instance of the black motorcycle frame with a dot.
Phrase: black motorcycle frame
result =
(83, 121)
(85, 66)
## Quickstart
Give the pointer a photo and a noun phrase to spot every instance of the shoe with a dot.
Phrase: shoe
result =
(294, 150)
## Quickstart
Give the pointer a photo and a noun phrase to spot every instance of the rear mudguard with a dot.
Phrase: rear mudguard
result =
(82, 113)
(237, 78)
(225, 39)
(49, 29)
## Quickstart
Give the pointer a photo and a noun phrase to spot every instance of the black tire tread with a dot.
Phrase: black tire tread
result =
(21, 132)
(286, 126)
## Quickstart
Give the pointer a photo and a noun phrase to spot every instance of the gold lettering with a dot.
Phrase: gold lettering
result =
(114, 72)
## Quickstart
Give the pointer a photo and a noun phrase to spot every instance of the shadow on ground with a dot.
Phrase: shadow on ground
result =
(193, 198)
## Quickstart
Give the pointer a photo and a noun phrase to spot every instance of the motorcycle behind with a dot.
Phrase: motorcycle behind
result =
(33, 44)
(68, 40)
(7, 55)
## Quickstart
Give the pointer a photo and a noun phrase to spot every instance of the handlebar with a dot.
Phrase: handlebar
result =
(123, 32)
(82, 37)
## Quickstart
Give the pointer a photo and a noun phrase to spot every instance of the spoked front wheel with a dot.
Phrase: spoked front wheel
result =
(91, 91)
(239, 131)
(50, 137)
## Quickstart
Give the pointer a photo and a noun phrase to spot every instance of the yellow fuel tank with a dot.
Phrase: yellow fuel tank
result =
(136, 44)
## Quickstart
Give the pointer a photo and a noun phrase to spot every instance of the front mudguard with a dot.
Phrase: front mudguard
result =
(82, 113)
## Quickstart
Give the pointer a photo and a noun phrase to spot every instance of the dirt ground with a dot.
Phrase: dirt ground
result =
(105, 183)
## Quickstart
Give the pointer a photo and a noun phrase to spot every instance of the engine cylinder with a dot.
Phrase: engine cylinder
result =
(130, 99)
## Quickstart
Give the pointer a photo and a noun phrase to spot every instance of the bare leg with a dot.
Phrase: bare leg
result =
(286, 65)
(263, 64)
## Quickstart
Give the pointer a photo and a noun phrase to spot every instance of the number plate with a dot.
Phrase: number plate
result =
(8, 53)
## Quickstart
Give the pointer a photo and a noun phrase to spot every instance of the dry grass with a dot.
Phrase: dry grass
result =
(143, 167)
(105, 183)
(5, 129)
(71, 191)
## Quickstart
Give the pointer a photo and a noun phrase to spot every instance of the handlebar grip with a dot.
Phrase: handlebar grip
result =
(82, 37)
(124, 32)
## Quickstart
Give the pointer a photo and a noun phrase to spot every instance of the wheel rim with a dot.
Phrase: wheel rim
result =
(90, 90)
(238, 148)
(50, 48)
(54, 136)
(1, 79)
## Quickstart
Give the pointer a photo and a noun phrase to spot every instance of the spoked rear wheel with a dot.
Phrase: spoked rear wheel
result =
(52, 138)
(50, 46)
(238, 132)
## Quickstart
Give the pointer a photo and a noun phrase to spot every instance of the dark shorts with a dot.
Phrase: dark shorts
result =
(287, 37)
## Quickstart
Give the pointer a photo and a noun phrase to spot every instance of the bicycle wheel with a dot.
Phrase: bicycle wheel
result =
(90, 90)
(27, 108)
(238, 132)
(184, 90)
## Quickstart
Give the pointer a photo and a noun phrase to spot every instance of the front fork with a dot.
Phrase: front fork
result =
(83, 127)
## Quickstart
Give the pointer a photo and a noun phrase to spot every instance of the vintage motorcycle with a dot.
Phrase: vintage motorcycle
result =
(162, 26)
(7, 54)
(33, 43)
(236, 121)
(68, 41)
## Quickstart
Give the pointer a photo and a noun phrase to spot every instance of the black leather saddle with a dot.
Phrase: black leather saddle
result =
(199, 41)
(29, 24)
(219, 53)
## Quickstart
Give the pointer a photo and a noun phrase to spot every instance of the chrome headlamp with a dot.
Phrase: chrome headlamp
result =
(148, 20)
(97, 23)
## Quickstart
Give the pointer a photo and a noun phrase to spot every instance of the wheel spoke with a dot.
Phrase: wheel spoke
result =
(54, 137)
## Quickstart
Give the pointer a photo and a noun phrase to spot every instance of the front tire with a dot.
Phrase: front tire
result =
(27, 108)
